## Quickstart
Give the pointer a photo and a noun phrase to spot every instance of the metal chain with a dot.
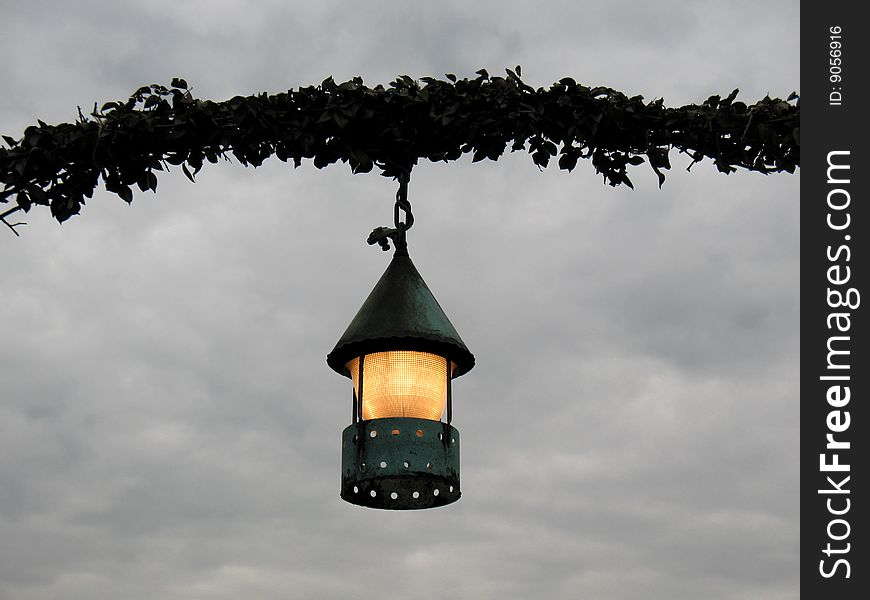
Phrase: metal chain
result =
(382, 235)
(403, 204)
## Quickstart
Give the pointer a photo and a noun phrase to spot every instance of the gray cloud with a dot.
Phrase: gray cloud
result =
(168, 425)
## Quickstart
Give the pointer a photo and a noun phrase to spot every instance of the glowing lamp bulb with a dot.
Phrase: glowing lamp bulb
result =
(401, 383)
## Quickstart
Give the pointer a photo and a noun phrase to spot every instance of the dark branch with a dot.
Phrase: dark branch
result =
(123, 144)
(11, 226)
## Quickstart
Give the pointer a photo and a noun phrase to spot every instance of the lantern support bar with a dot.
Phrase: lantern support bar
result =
(359, 402)
(449, 392)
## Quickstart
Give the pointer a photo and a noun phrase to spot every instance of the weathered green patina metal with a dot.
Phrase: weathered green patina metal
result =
(401, 313)
(400, 463)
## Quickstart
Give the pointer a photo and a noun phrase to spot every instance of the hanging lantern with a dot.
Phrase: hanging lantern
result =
(402, 353)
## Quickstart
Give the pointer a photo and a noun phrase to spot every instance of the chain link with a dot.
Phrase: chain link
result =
(382, 235)
(403, 204)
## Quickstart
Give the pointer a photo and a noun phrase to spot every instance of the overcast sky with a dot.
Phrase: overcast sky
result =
(169, 427)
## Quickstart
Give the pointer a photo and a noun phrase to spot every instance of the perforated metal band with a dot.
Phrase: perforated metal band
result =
(400, 463)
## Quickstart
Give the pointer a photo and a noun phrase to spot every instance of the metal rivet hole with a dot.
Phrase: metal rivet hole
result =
(416, 495)
(419, 433)
(373, 433)
(383, 464)
(355, 490)
(435, 492)
(395, 432)
(394, 495)
(373, 493)
(407, 464)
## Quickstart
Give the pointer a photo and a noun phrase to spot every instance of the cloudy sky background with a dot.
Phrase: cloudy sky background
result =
(169, 427)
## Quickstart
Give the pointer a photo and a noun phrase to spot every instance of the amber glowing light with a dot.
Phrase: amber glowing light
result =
(401, 383)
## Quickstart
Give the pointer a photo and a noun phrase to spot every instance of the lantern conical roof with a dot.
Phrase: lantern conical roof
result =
(401, 313)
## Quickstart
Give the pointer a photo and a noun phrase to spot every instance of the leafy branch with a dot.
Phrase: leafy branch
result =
(125, 143)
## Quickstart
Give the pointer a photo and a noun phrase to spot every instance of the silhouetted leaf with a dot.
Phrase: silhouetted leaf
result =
(126, 194)
(142, 182)
(568, 161)
(23, 201)
(340, 119)
(38, 195)
(659, 174)
(727, 101)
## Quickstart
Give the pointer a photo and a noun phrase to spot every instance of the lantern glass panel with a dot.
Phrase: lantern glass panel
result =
(401, 383)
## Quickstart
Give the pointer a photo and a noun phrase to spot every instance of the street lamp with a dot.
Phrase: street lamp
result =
(402, 353)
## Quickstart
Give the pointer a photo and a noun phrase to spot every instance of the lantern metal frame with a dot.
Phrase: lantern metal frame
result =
(400, 463)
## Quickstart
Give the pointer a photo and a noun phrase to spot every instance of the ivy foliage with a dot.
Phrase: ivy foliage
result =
(126, 143)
